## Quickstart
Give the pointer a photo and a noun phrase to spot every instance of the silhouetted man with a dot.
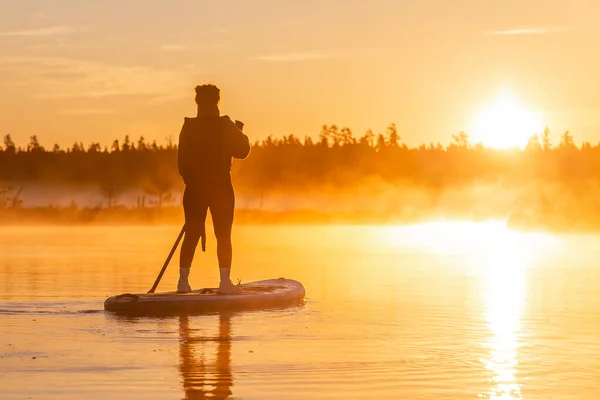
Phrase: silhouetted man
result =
(207, 144)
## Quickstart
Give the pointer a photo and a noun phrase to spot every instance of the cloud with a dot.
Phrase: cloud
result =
(293, 57)
(174, 47)
(42, 32)
(527, 31)
(56, 77)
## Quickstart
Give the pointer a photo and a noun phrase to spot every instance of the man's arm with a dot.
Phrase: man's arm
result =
(238, 143)
(183, 158)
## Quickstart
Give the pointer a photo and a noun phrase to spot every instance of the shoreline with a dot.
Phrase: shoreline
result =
(52, 216)
(154, 217)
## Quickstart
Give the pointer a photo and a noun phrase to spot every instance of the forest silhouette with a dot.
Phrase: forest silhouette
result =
(372, 173)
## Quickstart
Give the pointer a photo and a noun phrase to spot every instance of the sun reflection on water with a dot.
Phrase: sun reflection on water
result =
(505, 267)
(502, 258)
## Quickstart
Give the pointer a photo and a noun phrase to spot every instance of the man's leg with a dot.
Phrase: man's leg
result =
(195, 215)
(222, 210)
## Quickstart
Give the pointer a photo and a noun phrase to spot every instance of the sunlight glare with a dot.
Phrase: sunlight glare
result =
(505, 264)
(505, 267)
(502, 258)
(505, 124)
(447, 237)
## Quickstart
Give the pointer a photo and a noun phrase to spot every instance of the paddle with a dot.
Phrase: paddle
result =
(162, 271)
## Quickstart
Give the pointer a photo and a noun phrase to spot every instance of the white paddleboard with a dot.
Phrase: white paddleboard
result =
(270, 293)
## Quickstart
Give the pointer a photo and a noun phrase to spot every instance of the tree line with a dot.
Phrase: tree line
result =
(336, 158)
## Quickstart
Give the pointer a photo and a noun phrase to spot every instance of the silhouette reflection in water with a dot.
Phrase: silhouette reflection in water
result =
(201, 378)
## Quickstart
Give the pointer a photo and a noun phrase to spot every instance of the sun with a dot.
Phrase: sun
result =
(505, 124)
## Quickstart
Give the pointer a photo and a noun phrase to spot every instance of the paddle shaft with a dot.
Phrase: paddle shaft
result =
(162, 271)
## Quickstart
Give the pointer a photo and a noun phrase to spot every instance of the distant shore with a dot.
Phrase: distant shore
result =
(174, 215)
(122, 216)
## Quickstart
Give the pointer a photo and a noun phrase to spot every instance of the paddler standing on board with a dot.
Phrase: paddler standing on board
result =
(207, 144)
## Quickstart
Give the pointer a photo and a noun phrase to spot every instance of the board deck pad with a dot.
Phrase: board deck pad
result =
(255, 295)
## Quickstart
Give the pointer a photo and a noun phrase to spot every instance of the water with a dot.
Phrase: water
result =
(432, 311)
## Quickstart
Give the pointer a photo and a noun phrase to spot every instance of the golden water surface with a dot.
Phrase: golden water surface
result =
(443, 310)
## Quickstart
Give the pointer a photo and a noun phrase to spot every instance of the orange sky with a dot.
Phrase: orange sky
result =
(94, 71)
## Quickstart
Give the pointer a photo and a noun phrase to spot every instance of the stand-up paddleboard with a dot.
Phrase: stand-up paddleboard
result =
(270, 293)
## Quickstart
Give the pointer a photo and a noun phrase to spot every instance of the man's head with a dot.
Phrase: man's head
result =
(207, 96)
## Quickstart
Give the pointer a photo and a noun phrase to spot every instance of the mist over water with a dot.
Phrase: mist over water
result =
(550, 184)
(441, 310)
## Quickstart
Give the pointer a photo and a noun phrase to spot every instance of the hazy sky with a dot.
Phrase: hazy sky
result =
(96, 70)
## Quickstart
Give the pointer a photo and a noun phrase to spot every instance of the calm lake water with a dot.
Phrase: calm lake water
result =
(432, 311)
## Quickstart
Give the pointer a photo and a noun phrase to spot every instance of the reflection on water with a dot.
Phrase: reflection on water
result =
(502, 257)
(445, 310)
(203, 379)
(505, 262)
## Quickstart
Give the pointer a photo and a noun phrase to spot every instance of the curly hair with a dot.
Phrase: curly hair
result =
(207, 94)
